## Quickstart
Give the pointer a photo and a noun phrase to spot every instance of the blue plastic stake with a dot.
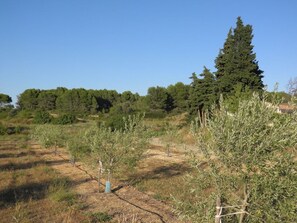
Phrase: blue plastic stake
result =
(107, 187)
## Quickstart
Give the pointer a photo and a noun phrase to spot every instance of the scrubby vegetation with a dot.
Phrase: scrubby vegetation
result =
(236, 162)
(247, 165)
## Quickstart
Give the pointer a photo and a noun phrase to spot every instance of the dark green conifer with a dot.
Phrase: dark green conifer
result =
(236, 62)
(203, 92)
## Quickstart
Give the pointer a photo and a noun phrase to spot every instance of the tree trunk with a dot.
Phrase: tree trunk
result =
(100, 170)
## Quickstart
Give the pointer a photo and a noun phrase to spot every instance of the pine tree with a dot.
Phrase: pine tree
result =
(236, 62)
(203, 91)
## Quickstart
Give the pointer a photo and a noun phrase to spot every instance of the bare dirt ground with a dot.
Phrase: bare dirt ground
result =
(125, 203)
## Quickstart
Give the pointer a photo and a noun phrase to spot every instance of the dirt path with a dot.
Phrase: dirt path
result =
(125, 203)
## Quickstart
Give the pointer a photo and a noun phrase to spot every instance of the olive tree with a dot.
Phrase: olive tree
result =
(49, 136)
(250, 174)
(292, 86)
(76, 146)
(115, 149)
(171, 135)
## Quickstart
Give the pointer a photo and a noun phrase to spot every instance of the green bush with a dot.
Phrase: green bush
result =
(250, 165)
(24, 114)
(49, 136)
(42, 117)
(9, 130)
(65, 119)
(12, 113)
(115, 121)
(76, 146)
(100, 217)
(3, 130)
(157, 114)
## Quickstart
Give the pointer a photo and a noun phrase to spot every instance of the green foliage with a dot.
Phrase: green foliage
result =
(49, 136)
(115, 116)
(76, 146)
(236, 62)
(42, 117)
(156, 114)
(115, 121)
(12, 113)
(118, 148)
(2, 129)
(203, 92)
(24, 114)
(159, 99)
(28, 100)
(9, 130)
(180, 96)
(46, 100)
(280, 96)
(4, 99)
(238, 94)
(78, 101)
(128, 96)
(100, 217)
(65, 119)
(250, 165)
(59, 191)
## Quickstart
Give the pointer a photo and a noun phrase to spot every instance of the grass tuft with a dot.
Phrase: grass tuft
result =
(100, 217)
(59, 191)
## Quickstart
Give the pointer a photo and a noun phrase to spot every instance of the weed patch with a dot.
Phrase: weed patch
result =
(100, 217)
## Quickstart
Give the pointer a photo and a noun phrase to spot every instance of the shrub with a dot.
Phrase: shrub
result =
(76, 146)
(157, 114)
(100, 217)
(65, 119)
(115, 121)
(119, 148)
(42, 117)
(12, 113)
(250, 166)
(3, 130)
(24, 114)
(49, 136)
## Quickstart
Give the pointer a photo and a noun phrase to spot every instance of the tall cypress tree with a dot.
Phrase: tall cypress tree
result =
(236, 62)
(202, 92)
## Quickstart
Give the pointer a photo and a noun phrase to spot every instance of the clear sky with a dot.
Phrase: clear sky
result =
(135, 44)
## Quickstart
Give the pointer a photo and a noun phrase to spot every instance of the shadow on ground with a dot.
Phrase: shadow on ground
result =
(32, 191)
(22, 166)
(161, 172)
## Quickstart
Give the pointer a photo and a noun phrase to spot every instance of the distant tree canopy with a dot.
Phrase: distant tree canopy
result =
(179, 94)
(237, 75)
(4, 99)
(80, 101)
(159, 99)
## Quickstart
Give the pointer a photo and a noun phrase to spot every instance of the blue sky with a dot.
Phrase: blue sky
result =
(135, 44)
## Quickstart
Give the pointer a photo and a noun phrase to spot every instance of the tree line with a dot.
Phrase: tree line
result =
(237, 74)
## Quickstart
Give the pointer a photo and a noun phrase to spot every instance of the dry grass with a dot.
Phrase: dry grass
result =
(30, 191)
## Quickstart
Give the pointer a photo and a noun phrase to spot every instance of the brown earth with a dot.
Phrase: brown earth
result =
(125, 203)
